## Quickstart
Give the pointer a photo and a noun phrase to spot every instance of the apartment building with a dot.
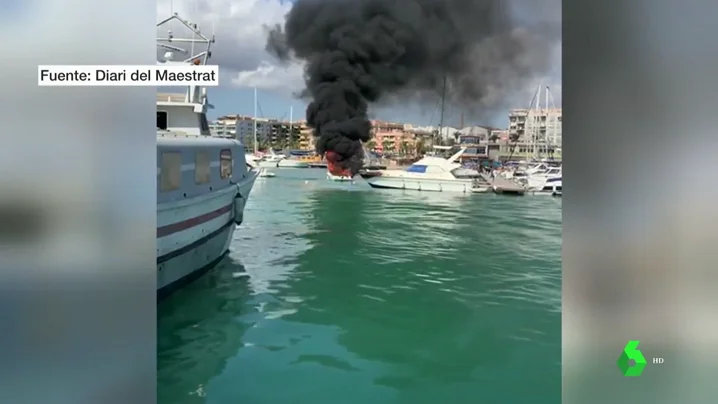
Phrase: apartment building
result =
(270, 132)
(543, 125)
(241, 128)
(306, 136)
(392, 137)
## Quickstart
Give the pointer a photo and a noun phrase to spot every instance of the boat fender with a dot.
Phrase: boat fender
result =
(239, 203)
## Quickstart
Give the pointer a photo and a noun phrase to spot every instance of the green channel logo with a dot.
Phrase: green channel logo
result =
(631, 362)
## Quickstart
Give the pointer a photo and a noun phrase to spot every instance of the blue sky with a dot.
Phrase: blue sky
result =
(240, 29)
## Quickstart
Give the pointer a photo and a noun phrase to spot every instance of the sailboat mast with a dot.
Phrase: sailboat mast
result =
(291, 122)
(254, 122)
(441, 118)
(537, 123)
(546, 137)
(443, 101)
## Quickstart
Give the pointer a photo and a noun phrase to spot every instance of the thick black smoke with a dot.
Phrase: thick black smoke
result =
(360, 51)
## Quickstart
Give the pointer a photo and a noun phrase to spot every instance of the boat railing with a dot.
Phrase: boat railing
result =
(166, 97)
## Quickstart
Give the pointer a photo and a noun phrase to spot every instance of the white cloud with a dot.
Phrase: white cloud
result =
(271, 77)
(240, 27)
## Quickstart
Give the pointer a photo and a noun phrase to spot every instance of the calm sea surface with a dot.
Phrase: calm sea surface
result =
(337, 293)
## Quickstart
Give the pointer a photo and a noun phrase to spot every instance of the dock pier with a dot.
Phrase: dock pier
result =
(502, 185)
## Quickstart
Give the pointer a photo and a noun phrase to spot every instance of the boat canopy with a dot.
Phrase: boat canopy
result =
(301, 152)
(416, 168)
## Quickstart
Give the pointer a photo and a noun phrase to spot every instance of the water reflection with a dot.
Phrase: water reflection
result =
(197, 332)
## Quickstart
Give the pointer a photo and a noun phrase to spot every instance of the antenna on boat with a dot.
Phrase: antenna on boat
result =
(254, 122)
(291, 121)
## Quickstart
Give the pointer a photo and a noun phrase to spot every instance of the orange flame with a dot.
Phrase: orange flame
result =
(334, 165)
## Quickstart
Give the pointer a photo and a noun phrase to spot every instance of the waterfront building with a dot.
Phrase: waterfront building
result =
(270, 132)
(543, 125)
(241, 128)
(478, 143)
(306, 137)
(392, 138)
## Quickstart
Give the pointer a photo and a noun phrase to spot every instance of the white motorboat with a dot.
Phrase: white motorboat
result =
(270, 160)
(289, 162)
(433, 174)
(344, 178)
(266, 174)
(548, 181)
(275, 160)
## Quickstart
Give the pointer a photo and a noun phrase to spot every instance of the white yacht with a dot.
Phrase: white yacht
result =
(292, 162)
(433, 174)
(203, 182)
(344, 178)
(543, 180)
(278, 160)
(270, 160)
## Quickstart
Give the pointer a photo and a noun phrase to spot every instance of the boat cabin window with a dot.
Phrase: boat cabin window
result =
(416, 168)
(225, 163)
(170, 171)
(162, 120)
(201, 168)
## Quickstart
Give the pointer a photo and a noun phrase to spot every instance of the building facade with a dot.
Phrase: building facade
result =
(392, 138)
(270, 132)
(307, 140)
(543, 125)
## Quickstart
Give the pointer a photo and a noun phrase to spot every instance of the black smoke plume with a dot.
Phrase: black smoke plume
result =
(359, 52)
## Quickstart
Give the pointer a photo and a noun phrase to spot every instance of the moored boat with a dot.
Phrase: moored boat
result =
(203, 182)
(431, 173)
(333, 177)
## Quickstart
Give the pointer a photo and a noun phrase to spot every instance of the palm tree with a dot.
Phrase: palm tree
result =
(404, 147)
(419, 147)
(386, 146)
(371, 145)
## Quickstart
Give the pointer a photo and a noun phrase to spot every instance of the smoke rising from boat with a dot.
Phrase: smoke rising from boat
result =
(360, 52)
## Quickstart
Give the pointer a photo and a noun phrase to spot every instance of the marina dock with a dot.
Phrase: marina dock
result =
(501, 185)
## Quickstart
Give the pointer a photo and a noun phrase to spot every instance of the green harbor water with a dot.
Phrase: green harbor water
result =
(337, 293)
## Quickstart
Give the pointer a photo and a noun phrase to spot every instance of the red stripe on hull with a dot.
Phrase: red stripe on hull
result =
(192, 222)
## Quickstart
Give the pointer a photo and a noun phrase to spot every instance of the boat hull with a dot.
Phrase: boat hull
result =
(194, 235)
(340, 178)
(287, 163)
(268, 164)
(369, 174)
(553, 188)
(386, 182)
